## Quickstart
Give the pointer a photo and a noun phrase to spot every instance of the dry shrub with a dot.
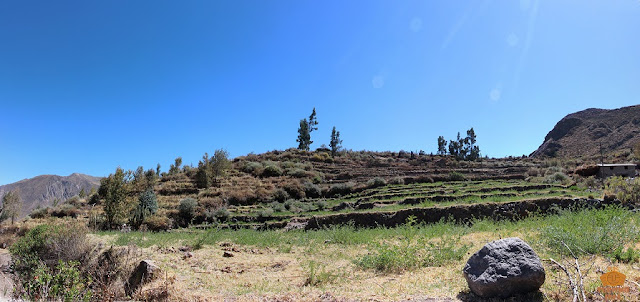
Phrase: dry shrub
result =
(65, 210)
(211, 202)
(295, 189)
(110, 269)
(157, 223)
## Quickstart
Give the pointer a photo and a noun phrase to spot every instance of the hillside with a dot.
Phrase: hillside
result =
(580, 134)
(43, 190)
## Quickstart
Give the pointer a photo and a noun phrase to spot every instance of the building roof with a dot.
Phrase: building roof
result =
(616, 165)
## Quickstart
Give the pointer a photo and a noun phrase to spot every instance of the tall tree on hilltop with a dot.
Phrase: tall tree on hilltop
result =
(11, 205)
(313, 121)
(304, 137)
(336, 142)
(472, 150)
(442, 145)
(304, 131)
(114, 190)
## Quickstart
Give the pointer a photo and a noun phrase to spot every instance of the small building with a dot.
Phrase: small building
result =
(626, 170)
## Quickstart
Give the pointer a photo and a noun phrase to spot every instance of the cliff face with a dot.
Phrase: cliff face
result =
(580, 134)
(44, 189)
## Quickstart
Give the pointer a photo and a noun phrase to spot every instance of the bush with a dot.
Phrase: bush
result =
(254, 168)
(187, 209)
(277, 206)
(341, 189)
(397, 181)
(590, 231)
(456, 176)
(294, 189)
(297, 172)
(625, 190)
(65, 282)
(157, 223)
(271, 171)
(557, 177)
(321, 205)
(376, 182)
(311, 190)
(65, 210)
(39, 213)
(221, 214)
(266, 212)
(280, 195)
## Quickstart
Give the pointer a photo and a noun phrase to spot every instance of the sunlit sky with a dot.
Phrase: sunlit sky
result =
(86, 86)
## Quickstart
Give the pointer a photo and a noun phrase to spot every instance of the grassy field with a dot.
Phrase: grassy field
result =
(414, 261)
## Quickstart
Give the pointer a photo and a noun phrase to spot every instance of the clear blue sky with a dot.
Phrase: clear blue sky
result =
(86, 86)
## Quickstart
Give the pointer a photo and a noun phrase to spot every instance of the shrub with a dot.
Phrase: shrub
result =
(623, 189)
(311, 190)
(254, 168)
(222, 214)
(297, 172)
(376, 182)
(294, 189)
(321, 205)
(65, 210)
(456, 176)
(280, 195)
(277, 206)
(187, 209)
(39, 213)
(157, 223)
(630, 255)
(318, 275)
(590, 231)
(271, 171)
(341, 189)
(65, 282)
(397, 181)
(265, 212)
(557, 177)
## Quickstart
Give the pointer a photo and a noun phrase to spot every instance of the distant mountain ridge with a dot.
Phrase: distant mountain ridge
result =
(44, 189)
(582, 133)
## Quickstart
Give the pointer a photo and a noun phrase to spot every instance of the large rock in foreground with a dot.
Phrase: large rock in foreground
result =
(503, 268)
(145, 272)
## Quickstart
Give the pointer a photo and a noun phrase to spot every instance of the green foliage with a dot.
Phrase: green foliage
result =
(341, 189)
(175, 167)
(456, 176)
(335, 143)
(147, 206)
(271, 170)
(442, 145)
(626, 190)
(64, 282)
(590, 231)
(11, 205)
(187, 209)
(557, 177)
(630, 255)
(462, 148)
(311, 190)
(114, 191)
(376, 182)
(304, 136)
(318, 275)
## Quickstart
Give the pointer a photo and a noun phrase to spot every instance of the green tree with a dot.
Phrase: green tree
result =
(313, 121)
(304, 137)
(114, 190)
(220, 163)
(175, 167)
(203, 175)
(158, 170)
(11, 205)
(336, 142)
(147, 206)
(442, 145)
(82, 193)
(456, 148)
(472, 150)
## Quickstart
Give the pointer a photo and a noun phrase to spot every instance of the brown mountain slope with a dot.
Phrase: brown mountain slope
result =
(580, 134)
(44, 189)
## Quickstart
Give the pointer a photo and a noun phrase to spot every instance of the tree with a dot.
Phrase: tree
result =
(82, 193)
(220, 163)
(114, 191)
(158, 170)
(313, 121)
(11, 205)
(456, 148)
(305, 129)
(304, 137)
(472, 151)
(203, 177)
(175, 168)
(336, 142)
(147, 206)
(442, 145)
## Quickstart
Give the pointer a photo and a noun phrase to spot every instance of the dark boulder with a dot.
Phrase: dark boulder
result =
(144, 273)
(503, 268)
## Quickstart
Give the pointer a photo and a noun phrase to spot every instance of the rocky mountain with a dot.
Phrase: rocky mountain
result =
(43, 190)
(582, 133)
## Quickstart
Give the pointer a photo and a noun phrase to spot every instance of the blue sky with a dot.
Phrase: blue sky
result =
(86, 86)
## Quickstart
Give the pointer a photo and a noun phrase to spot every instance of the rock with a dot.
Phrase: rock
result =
(227, 255)
(145, 272)
(503, 268)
